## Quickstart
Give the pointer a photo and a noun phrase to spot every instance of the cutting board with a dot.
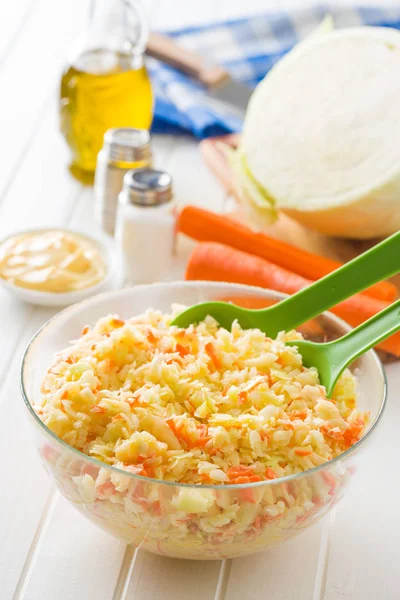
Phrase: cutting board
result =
(284, 228)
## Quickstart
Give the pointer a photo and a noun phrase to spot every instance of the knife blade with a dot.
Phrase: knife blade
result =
(223, 92)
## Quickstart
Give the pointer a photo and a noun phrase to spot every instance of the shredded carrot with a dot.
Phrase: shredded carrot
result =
(243, 469)
(298, 414)
(330, 480)
(138, 492)
(138, 470)
(317, 501)
(90, 470)
(256, 382)
(117, 323)
(210, 350)
(191, 405)
(106, 489)
(171, 361)
(85, 330)
(156, 509)
(353, 434)
(136, 401)
(247, 495)
(98, 409)
(179, 430)
(49, 453)
(180, 334)
(242, 397)
(183, 435)
(170, 421)
(182, 350)
(302, 452)
(335, 435)
(203, 430)
(288, 426)
(201, 442)
(148, 470)
(270, 473)
(245, 479)
(151, 337)
(242, 474)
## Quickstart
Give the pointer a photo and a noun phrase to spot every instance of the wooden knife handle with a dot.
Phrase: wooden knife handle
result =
(168, 51)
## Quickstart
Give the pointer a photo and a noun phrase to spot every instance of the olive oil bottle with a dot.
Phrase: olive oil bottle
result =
(106, 85)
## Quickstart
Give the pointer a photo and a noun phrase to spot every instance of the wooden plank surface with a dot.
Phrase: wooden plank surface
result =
(196, 580)
(363, 550)
(47, 550)
(92, 557)
(30, 79)
(285, 572)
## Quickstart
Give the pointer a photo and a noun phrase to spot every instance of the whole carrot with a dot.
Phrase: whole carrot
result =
(215, 262)
(205, 226)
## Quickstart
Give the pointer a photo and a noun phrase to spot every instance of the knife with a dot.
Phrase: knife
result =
(223, 91)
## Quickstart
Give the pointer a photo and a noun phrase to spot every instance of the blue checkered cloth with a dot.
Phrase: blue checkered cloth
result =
(247, 48)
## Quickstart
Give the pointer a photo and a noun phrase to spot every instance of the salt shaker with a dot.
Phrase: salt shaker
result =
(145, 227)
(124, 148)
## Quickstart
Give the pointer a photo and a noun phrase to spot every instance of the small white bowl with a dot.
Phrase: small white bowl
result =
(111, 280)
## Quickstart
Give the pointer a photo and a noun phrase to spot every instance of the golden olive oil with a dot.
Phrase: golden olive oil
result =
(99, 91)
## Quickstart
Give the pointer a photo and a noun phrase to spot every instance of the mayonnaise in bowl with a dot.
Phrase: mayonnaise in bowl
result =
(54, 266)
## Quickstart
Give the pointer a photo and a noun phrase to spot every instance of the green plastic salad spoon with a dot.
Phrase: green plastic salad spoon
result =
(380, 262)
(331, 358)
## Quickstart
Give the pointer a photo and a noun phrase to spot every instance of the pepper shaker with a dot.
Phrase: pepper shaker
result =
(145, 227)
(124, 148)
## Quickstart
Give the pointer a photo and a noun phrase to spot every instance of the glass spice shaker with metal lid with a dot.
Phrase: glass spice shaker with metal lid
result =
(124, 149)
(145, 227)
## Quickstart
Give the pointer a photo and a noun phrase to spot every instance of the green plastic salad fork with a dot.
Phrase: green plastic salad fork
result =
(380, 262)
(331, 358)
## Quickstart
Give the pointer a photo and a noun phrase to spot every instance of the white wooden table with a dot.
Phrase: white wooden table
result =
(47, 550)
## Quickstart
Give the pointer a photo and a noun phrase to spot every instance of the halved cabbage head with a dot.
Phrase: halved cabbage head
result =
(321, 137)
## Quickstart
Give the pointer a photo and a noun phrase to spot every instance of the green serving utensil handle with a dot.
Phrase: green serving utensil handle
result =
(345, 350)
(331, 358)
(380, 262)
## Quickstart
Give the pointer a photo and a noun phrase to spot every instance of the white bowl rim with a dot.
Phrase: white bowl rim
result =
(171, 284)
(107, 253)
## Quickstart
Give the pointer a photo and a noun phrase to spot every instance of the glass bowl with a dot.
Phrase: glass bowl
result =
(182, 520)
